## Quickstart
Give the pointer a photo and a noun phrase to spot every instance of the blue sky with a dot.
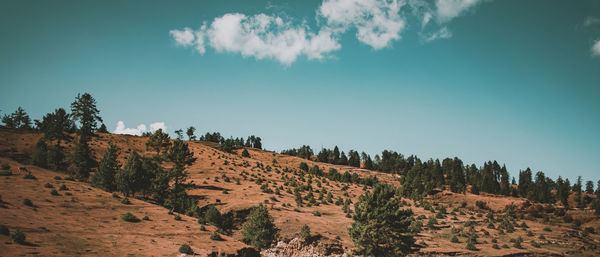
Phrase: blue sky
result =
(513, 81)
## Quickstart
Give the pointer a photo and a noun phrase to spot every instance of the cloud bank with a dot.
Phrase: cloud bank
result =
(378, 23)
(122, 129)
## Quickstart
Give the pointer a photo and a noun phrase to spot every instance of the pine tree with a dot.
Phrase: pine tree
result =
(380, 228)
(56, 158)
(158, 141)
(129, 178)
(40, 154)
(589, 187)
(108, 168)
(56, 125)
(84, 110)
(181, 156)
(81, 158)
(18, 119)
(259, 229)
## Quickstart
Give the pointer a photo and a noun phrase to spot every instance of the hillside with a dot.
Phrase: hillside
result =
(87, 221)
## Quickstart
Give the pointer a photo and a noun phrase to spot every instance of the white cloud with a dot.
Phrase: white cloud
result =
(378, 22)
(262, 36)
(443, 33)
(450, 9)
(183, 37)
(158, 125)
(122, 129)
(596, 48)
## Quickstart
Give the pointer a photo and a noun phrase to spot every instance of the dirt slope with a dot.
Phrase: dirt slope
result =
(88, 221)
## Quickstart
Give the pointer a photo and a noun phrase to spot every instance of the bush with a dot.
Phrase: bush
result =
(18, 236)
(547, 229)
(29, 176)
(304, 232)
(125, 200)
(4, 230)
(495, 246)
(317, 213)
(470, 246)
(481, 205)
(535, 244)
(63, 187)
(48, 185)
(303, 166)
(215, 236)
(129, 217)
(27, 202)
(186, 249)
(245, 153)
(568, 218)
(54, 192)
(177, 217)
(454, 239)
(146, 218)
(213, 216)
(5, 166)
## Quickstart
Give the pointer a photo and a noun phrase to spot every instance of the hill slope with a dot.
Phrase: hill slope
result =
(88, 222)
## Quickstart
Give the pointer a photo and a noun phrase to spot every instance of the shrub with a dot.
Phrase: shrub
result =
(4, 230)
(495, 246)
(547, 229)
(568, 218)
(57, 178)
(481, 205)
(202, 228)
(454, 240)
(303, 166)
(245, 153)
(129, 217)
(146, 218)
(27, 202)
(470, 246)
(48, 185)
(5, 166)
(125, 200)
(215, 236)
(304, 232)
(177, 217)
(317, 213)
(54, 192)
(213, 216)
(29, 176)
(18, 236)
(63, 187)
(186, 249)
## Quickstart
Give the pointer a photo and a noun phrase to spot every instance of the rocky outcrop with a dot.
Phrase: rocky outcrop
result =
(303, 248)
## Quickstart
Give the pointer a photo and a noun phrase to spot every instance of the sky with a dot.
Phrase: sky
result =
(513, 81)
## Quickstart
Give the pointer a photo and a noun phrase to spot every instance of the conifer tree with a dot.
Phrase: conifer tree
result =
(380, 227)
(105, 176)
(81, 158)
(40, 154)
(84, 110)
(259, 229)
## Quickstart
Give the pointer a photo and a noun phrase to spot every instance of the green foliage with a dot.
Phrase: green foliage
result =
(215, 236)
(259, 229)
(18, 119)
(27, 202)
(108, 168)
(40, 154)
(4, 230)
(380, 227)
(186, 249)
(131, 178)
(304, 232)
(158, 141)
(81, 158)
(84, 110)
(303, 166)
(190, 133)
(18, 236)
(56, 125)
(129, 217)
(245, 153)
(213, 216)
